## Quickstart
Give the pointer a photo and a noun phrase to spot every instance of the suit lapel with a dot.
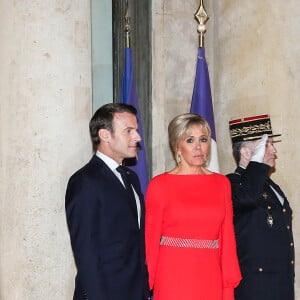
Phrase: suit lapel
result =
(274, 198)
(106, 172)
(276, 188)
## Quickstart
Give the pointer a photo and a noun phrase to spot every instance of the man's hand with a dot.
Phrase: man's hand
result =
(260, 149)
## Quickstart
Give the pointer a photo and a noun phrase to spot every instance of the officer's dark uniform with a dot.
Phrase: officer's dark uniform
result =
(263, 228)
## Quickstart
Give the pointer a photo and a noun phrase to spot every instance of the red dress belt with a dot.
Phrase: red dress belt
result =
(188, 243)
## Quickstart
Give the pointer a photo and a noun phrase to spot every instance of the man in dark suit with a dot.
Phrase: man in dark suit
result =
(105, 212)
(262, 215)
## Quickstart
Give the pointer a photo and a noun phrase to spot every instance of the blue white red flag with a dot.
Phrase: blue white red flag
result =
(202, 105)
(129, 96)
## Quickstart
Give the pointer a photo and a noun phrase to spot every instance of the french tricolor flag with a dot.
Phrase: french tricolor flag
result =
(129, 96)
(202, 105)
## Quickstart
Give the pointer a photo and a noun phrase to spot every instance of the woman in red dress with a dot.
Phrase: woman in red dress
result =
(190, 241)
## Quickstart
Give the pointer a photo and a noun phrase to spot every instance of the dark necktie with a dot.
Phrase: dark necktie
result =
(124, 175)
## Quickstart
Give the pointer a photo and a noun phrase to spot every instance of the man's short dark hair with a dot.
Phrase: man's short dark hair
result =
(103, 118)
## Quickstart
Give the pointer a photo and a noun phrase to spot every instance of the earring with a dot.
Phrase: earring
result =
(206, 160)
(178, 159)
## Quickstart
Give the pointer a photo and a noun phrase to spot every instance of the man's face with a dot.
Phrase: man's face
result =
(270, 154)
(122, 143)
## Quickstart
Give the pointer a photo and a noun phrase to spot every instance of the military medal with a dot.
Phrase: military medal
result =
(270, 220)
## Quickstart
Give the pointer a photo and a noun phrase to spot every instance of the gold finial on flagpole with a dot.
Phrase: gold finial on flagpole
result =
(202, 17)
(127, 27)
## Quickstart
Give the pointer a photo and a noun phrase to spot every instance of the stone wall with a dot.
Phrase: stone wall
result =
(252, 50)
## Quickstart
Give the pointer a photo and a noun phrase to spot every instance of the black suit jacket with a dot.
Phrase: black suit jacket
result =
(264, 238)
(108, 245)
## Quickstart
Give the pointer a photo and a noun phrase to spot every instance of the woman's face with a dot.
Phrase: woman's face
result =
(195, 146)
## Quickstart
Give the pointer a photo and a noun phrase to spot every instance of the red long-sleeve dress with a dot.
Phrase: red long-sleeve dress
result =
(196, 208)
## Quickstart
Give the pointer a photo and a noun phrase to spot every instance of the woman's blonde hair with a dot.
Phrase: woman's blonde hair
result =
(179, 128)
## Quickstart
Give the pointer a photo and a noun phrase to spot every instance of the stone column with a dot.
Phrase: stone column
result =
(45, 105)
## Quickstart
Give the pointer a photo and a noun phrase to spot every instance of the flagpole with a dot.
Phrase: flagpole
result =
(202, 99)
(202, 17)
(127, 27)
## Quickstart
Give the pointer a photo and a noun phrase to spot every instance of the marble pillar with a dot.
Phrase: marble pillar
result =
(45, 105)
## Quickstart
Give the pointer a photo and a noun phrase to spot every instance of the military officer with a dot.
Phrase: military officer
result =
(262, 215)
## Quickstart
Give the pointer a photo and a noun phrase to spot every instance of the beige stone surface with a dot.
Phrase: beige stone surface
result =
(174, 53)
(252, 50)
(45, 105)
(257, 71)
